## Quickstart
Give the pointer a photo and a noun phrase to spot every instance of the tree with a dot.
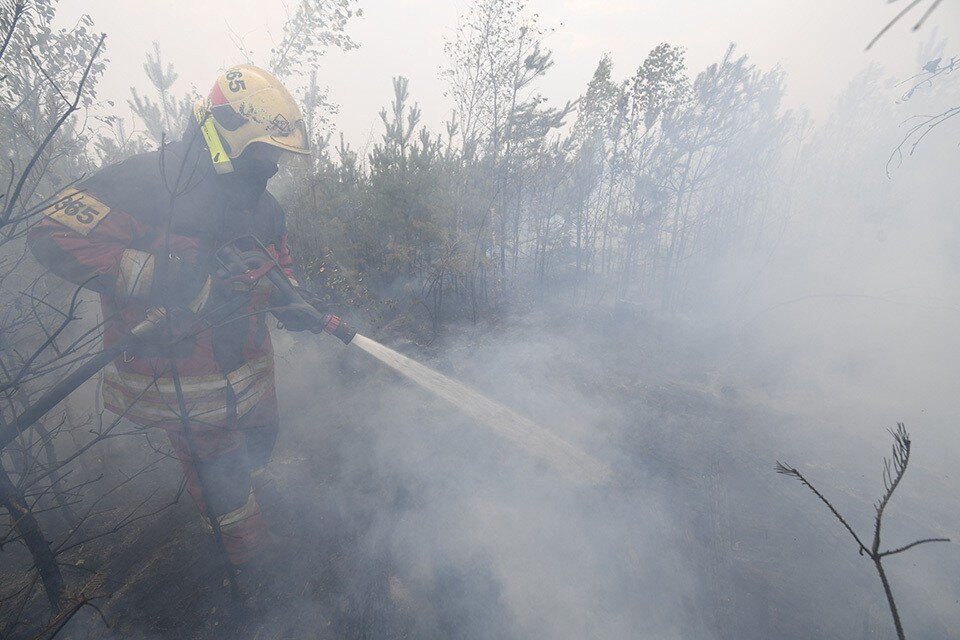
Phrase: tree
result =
(496, 58)
(894, 469)
(314, 27)
(166, 117)
(49, 76)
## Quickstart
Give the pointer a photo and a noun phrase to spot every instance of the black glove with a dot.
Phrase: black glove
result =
(299, 317)
(304, 316)
(296, 315)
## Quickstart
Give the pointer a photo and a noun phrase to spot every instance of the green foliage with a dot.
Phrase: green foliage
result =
(656, 179)
(40, 71)
(164, 117)
(313, 28)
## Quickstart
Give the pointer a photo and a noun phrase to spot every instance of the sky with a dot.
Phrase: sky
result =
(819, 43)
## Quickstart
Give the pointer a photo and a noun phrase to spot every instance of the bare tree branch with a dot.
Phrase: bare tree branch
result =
(14, 197)
(790, 471)
(910, 7)
(894, 469)
(911, 545)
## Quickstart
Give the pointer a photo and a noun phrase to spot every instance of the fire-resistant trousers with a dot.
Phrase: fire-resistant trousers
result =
(226, 456)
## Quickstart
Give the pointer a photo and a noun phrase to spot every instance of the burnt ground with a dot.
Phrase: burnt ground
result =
(395, 518)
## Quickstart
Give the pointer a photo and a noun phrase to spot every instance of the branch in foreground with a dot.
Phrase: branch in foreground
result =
(894, 468)
(790, 471)
(15, 195)
(910, 7)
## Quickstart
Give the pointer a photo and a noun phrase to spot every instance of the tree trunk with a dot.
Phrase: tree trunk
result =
(26, 525)
(889, 593)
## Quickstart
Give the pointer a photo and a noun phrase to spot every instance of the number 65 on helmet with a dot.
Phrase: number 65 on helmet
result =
(248, 104)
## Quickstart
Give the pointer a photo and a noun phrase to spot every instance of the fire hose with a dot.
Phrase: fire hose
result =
(247, 265)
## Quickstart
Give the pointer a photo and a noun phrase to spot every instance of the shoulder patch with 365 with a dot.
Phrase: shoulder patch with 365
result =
(77, 210)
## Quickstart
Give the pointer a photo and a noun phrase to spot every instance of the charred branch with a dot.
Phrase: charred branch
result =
(28, 527)
(894, 469)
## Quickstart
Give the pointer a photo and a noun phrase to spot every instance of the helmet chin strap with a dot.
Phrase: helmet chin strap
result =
(218, 155)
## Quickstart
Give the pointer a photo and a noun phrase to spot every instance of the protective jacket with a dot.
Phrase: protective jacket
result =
(126, 231)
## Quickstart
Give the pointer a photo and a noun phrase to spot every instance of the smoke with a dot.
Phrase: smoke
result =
(428, 524)
(471, 535)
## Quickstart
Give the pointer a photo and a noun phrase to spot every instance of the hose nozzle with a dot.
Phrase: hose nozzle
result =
(338, 328)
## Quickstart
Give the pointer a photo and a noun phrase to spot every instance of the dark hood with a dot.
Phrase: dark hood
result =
(178, 184)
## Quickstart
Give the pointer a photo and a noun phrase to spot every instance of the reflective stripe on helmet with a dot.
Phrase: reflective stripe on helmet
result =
(218, 155)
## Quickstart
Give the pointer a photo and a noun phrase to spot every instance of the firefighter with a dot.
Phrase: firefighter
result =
(144, 234)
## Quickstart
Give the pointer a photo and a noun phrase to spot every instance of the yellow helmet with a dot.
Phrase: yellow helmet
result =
(246, 105)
